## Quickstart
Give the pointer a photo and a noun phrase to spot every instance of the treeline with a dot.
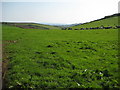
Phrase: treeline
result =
(102, 27)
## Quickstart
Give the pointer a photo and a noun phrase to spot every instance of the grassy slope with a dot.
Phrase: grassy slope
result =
(112, 21)
(40, 25)
(57, 58)
(47, 26)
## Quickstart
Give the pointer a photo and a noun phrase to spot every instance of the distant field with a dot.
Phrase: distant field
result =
(60, 58)
(31, 26)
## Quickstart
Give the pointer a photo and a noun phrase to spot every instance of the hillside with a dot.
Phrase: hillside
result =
(31, 26)
(107, 21)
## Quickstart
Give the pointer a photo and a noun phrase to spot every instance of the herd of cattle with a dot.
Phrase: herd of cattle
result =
(91, 28)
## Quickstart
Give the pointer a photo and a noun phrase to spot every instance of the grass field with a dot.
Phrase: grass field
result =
(60, 58)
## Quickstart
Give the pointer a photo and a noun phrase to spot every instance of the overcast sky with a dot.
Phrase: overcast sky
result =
(57, 11)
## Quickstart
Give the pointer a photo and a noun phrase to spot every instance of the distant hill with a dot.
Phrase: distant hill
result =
(107, 21)
(31, 25)
(67, 25)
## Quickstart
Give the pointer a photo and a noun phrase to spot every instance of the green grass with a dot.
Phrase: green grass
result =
(60, 58)
(113, 21)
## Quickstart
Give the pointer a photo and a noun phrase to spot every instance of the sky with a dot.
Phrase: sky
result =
(57, 11)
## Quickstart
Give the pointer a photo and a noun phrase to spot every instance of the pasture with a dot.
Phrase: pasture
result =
(60, 58)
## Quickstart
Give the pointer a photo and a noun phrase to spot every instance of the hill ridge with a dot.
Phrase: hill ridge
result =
(109, 16)
(107, 22)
